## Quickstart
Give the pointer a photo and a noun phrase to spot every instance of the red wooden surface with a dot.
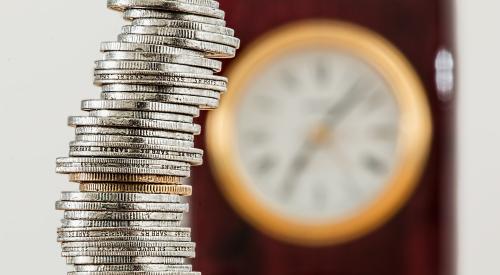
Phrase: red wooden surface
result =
(419, 240)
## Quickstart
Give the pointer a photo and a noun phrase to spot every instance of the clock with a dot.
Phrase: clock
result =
(322, 135)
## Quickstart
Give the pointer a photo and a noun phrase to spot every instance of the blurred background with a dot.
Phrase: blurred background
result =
(314, 109)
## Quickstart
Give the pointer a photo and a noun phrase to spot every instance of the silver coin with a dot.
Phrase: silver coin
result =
(183, 33)
(122, 216)
(142, 115)
(85, 260)
(112, 224)
(194, 129)
(63, 237)
(160, 90)
(182, 24)
(214, 65)
(134, 105)
(148, 48)
(133, 267)
(133, 246)
(121, 206)
(123, 234)
(134, 139)
(119, 197)
(202, 102)
(149, 66)
(109, 252)
(122, 165)
(134, 13)
(141, 135)
(170, 5)
(198, 81)
(193, 156)
(213, 50)
(136, 273)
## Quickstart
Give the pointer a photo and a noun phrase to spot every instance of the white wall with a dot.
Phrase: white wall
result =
(46, 59)
(479, 132)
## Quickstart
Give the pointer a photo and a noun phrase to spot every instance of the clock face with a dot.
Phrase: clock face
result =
(323, 134)
(317, 134)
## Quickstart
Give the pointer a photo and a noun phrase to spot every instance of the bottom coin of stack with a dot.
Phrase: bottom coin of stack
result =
(113, 233)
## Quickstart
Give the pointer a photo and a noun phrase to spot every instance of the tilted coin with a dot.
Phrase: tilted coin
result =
(149, 66)
(119, 197)
(214, 65)
(85, 260)
(193, 156)
(126, 122)
(133, 267)
(148, 48)
(183, 33)
(203, 102)
(122, 216)
(123, 223)
(122, 165)
(133, 246)
(121, 206)
(136, 273)
(142, 115)
(135, 13)
(110, 252)
(182, 190)
(107, 179)
(124, 234)
(66, 237)
(182, 24)
(159, 78)
(134, 139)
(134, 105)
(186, 6)
(214, 50)
(135, 132)
(160, 90)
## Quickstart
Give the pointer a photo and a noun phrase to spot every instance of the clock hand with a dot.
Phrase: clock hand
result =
(339, 110)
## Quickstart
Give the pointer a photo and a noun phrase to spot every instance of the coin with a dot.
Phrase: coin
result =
(170, 5)
(84, 260)
(203, 102)
(135, 132)
(122, 216)
(124, 178)
(183, 24)
(212, 49)
(135, 13)
(119, 197)
(121, 206)
(134, 139)
(135, 123)
(134, 105)
(122, 223)
(149, 66)
(183, 190)
(165, 58)
(160, 90)
(183, 33)
(133, 267)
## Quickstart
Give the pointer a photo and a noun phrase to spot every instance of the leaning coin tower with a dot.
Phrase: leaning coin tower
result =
(136, 145)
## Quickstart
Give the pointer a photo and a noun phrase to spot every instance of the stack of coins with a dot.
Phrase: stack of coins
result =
(136, 145)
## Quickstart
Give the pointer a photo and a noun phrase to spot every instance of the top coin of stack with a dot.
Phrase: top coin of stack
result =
(139, 138)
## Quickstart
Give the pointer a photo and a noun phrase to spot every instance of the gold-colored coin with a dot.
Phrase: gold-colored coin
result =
(103, 177)
(182, 190)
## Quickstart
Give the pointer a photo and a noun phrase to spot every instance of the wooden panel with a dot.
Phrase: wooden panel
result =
(418, 241)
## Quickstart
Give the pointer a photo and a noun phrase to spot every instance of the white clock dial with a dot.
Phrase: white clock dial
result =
(317, 134)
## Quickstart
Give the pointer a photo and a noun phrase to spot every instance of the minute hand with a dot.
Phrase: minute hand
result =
(338, 111)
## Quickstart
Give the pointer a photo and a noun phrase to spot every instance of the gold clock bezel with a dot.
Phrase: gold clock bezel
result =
(413, 142)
